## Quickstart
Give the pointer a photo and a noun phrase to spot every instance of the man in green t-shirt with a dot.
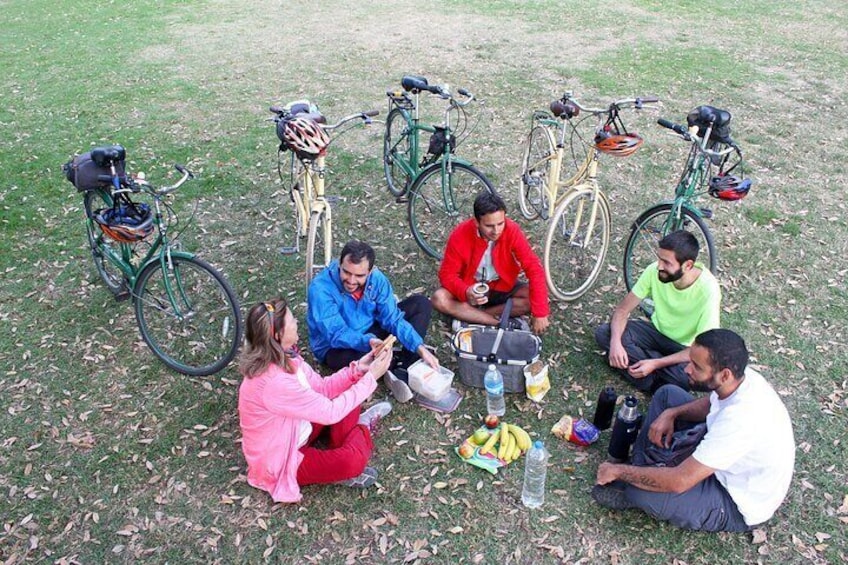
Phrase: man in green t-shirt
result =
(687, 300)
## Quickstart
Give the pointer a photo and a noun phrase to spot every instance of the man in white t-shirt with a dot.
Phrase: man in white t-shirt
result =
(737, 475)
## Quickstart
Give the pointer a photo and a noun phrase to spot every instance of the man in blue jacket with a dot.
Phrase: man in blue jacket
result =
(352, 308)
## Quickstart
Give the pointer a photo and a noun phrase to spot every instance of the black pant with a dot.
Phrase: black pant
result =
(641, 340)
(416, 310)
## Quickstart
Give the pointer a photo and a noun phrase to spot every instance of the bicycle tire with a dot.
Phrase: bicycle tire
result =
(431, 217)
(204, 335)
(535, 164)
(114, 278)
(573, 258)
(654, 224)
(396, 146)
(319, 243)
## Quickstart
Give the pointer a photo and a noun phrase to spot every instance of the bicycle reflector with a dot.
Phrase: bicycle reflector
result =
(729, 187)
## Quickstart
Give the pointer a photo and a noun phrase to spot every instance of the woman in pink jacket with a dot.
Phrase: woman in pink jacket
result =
(284, 407)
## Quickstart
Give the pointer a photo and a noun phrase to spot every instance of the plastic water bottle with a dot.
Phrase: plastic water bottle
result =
(493, 381)
(535, 473)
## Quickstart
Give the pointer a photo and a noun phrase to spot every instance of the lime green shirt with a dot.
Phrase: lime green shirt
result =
(681, 314)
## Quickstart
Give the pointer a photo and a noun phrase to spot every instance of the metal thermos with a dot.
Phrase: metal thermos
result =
(605, 409)
(625, 430)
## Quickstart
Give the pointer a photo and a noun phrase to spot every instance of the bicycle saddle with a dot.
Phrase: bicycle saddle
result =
(105, 156)
(412, 83)
(565, 110)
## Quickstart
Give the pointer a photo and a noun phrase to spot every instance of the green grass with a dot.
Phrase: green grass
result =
(106, 456)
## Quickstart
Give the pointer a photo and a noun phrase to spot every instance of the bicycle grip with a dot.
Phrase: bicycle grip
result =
(672, 126)
(464, 92)
(276, 109)
(371, 113)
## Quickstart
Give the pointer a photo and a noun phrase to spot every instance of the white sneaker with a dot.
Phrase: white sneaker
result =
(373, 415)
(400, 390)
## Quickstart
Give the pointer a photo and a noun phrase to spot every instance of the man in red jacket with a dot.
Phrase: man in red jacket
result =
(487, 253)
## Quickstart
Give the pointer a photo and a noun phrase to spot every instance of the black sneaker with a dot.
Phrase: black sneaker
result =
(518, 324)
(611, 496)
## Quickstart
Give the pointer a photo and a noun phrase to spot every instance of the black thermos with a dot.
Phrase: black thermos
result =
(625, 429)
(605, 409)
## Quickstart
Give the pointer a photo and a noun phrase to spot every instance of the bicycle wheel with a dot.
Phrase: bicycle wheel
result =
(439, 202)
(532, 190)
(396, 147)
(651, 226)
(100, 243)
(319, 243)
(188, 315)
(574, 256)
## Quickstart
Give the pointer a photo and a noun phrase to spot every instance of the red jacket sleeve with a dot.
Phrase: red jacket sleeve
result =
(529, 262)
(453, 264)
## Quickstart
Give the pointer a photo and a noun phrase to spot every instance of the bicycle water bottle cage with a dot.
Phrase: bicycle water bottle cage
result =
(108, 155)
(414, 84)
(564, 110)
(703, 116)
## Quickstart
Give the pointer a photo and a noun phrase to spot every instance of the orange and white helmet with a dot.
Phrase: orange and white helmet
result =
(620, 145)
(305, 137)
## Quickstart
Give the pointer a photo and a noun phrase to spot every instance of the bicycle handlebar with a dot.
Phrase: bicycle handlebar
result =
(364, 116)
(701, 142)
(567, 99)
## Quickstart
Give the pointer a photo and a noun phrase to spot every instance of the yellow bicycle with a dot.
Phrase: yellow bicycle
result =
(564, 187)
(301, 164)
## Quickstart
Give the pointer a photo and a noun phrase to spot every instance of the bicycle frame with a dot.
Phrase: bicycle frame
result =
(160, 249)
(553, 183)
(412, 164)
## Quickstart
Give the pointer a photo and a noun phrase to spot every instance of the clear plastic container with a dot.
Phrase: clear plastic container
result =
(493, 381)
(428, 382)
(535, 474)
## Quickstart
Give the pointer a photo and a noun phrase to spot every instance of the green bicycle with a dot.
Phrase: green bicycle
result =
(440, 186)
(713, 157)
(186, 311)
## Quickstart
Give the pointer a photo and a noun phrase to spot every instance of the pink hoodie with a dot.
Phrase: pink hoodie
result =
(272, 407)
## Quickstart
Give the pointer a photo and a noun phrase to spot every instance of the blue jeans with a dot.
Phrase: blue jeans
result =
(707, 506)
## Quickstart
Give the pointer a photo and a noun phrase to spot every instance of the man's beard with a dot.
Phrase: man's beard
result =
(666, 277)
(708, 386)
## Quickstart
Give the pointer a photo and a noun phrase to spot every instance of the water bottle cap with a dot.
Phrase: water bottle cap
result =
(491, 368)
(539, 444)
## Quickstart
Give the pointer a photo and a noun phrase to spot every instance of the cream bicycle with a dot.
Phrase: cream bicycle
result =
(564, 188)
(301, 164)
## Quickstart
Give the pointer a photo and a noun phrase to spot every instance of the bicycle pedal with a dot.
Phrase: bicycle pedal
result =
(402, 199)
(707, 213)
(288, 250)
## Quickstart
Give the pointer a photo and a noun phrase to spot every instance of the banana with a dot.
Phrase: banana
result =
(511, 445)
(516, 452)
(521, 436)
(504, 440)
(490, 443)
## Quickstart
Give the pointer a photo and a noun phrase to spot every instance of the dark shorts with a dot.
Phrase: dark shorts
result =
(497, 297)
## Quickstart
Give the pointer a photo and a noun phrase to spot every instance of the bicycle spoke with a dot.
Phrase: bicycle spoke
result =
(434, 211)
(188, 316)
(576, 244)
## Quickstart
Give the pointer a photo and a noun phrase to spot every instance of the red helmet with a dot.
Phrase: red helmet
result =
(305, 137)
(126, 223)
(618, 144)
(729, 187)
